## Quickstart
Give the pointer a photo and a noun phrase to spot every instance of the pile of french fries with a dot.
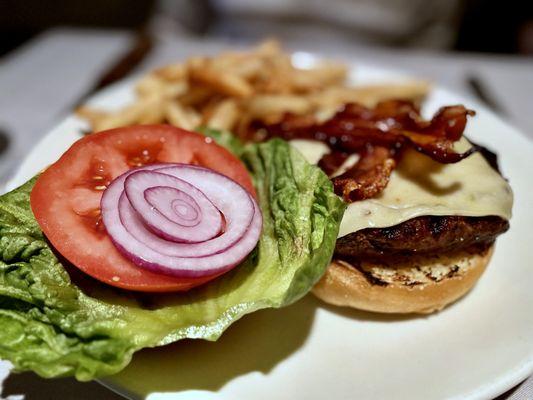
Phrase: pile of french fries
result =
(231, 90)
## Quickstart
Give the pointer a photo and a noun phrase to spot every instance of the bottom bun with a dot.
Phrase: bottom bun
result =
(416, 285)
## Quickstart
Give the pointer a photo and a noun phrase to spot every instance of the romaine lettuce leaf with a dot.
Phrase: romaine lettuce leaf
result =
(58, 322)
(224, 138)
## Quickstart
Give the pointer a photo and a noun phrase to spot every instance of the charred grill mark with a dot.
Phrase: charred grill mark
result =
(372, 279)
(453, 271)
(431, 277)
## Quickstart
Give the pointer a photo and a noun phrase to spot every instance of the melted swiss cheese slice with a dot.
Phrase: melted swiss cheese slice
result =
(420, 186)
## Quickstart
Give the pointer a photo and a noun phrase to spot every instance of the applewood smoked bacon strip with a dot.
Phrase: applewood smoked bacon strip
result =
(379, 135)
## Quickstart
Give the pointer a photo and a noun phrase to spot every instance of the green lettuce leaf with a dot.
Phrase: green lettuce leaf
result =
(58, 322)
(224, 138)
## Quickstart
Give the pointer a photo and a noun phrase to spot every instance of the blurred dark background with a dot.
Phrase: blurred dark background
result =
(463, 25)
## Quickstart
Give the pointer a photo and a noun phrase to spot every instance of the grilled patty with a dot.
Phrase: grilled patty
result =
(422, 235)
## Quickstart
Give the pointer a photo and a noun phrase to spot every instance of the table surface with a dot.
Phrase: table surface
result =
(41, 81)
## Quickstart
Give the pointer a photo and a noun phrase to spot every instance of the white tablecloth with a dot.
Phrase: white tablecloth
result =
(40, 81)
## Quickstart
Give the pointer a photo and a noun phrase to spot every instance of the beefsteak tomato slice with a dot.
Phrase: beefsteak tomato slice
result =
(66, 197)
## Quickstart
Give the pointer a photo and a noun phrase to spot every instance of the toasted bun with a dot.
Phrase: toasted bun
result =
(416, 285)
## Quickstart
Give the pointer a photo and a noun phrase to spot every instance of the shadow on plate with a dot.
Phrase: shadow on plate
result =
(361, 315)
(257, 343)
(33, 387)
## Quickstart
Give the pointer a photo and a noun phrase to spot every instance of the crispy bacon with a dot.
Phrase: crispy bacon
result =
(369, 176)
(331, 162)
(379, 135)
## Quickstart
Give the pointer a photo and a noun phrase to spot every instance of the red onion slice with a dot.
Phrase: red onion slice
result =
(181, 206)
(137, 233)
(172, 208)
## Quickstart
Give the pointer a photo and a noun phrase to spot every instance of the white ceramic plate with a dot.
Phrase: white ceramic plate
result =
(475, 349)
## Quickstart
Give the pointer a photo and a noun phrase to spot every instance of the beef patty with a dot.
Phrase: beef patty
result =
(421, 235)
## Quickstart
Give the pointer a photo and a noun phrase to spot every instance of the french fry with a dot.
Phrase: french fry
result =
(92, 115)
(195, 63)
(171, 73)
(153, 86)
(224, 115)
(221, 82)
(175, 89)
(369, 95)
(231, 90)
(249, 68)
(227, 61)
(152, 112)
(325, 112)
(262, 106)
(150, 85)
(181, 116)
(311, 79)
(414, 90)
(268, 48)
(196, 96)
(127, 116)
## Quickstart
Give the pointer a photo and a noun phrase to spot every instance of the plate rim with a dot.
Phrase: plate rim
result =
(484, 391)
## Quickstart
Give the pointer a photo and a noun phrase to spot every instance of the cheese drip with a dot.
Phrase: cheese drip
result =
(420, 186)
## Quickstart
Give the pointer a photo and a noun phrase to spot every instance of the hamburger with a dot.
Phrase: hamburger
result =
(425, 205)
